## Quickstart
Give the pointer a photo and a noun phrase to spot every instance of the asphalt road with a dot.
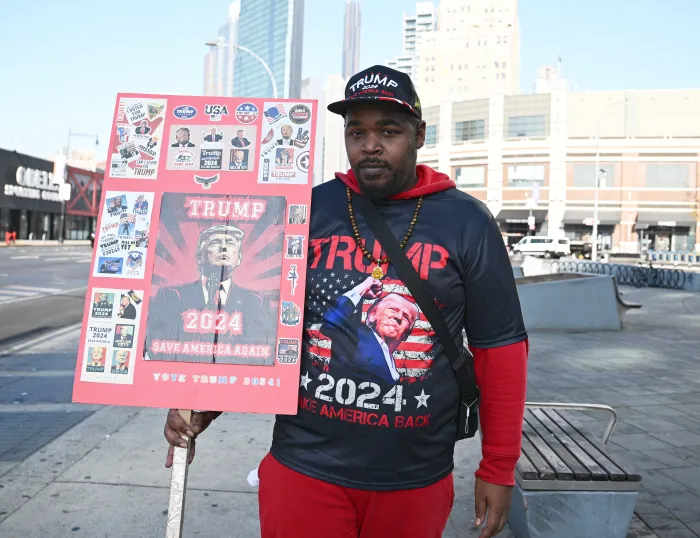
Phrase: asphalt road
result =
(41, 289)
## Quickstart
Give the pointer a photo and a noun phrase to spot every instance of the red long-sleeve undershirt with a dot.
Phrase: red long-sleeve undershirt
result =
(501, 374)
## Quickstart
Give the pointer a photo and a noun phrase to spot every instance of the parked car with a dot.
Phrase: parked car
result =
(549, 247)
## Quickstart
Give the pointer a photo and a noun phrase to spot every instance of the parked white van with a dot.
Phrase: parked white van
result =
(538, 245)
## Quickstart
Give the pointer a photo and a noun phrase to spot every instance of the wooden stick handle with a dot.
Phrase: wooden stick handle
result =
(178, 486)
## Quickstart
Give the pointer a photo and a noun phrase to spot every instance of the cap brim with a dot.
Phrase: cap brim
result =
(340, 107)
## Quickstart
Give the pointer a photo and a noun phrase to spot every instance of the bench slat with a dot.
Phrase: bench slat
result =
(526, 468)
(625, 469)
(543, 471)
(596, 471)
(562, 472)
(616, 474)
(578, 470)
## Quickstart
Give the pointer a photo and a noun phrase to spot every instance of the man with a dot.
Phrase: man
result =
(125, 336)
(388, 323)
(286, 140)
(126, 309)
(174, 311)
(182, 137)
(143, 129)
(240, 160)
(213, 136)
(240, 141)
(379, 462)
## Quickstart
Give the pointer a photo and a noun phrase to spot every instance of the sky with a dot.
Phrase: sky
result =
(63, 62)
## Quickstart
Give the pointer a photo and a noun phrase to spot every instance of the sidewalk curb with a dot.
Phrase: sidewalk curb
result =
(27, 479)
(31, 342)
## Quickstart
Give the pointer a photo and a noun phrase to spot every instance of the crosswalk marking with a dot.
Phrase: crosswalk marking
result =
(17, 292)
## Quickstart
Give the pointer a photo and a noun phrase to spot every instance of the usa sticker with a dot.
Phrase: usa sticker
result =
(303, 162)
(299, 114)
(215, 112)
(287, 350)
(247, 113)
(295, 247)
(206, 182)
(185, 112)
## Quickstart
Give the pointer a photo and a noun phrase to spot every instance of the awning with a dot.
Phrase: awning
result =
(670, 219)
(585, 216)
(520, 215)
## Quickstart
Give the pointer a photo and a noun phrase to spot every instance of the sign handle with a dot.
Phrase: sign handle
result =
(178, 485)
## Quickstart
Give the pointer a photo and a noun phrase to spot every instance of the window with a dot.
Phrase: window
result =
(469, 130)
(525, 175)
(668, 175)
(526, 126)
(584, 175)
(431, 135)
(470, 176)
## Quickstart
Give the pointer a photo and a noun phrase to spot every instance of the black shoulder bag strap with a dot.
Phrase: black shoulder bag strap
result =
(462, 362)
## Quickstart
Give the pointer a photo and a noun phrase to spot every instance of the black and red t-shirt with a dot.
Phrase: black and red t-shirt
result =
(378, 398)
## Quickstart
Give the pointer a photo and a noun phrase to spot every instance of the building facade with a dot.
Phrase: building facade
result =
(535, 156)
(415, 27)
(312, 88)
(473, 53)
(351, 38)
(220, 61)
(272, 29)
(335, 157)
(30, 204)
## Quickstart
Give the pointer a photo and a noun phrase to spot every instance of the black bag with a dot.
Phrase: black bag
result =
(462, 363)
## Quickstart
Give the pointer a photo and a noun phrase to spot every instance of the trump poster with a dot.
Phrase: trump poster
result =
(195, 296)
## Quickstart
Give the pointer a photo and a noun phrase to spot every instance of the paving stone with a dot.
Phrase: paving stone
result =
(676, 533)
(648, 504)
(670, 458)
(685, 506)
(662, 522)
(638, 441)
(678, 438)
(654, 424)
(658, 483)
(690, 477)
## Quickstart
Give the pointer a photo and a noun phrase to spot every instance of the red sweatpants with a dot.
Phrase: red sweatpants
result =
(293, 505)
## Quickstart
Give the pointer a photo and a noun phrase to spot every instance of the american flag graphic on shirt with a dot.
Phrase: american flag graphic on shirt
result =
(413, 357)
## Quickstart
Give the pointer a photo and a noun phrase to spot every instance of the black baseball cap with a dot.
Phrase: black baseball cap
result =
(379, 83)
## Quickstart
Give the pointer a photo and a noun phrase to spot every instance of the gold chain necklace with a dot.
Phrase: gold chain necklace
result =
(377, 271)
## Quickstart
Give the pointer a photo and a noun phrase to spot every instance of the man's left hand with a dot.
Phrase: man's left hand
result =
(494, 500)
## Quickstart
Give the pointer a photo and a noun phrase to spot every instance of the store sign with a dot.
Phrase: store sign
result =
(668, 223)
(34, 185)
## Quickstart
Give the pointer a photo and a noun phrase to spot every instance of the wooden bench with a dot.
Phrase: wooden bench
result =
(569, 484)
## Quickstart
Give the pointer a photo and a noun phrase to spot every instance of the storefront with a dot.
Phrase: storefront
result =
(578, 226)
(514, 223)
(666, 230)
(30, 204)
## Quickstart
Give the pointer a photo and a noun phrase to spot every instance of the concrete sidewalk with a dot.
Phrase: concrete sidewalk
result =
(105, 477)
(47, 243)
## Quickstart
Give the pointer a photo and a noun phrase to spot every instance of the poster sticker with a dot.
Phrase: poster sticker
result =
(100, 334)
(295, 247)
(102, 305)
(297, 214)
(290, 314)
(136, 149)
(292, 277)
(111, 335)
(284, 156)
(203, 147)
(288, 350)
(123, 234)
(246, 113)
(214, 289)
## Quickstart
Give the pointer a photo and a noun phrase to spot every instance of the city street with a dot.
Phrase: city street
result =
(41, 289)
(648, 372)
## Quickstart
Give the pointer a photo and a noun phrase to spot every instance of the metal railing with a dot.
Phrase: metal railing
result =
(629, 275)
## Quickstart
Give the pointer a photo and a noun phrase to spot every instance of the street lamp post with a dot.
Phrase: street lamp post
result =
(596, 178)
(222, 44)
(62, 231)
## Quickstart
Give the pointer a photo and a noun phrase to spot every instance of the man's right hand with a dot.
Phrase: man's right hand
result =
(371, 288)
(176, 428)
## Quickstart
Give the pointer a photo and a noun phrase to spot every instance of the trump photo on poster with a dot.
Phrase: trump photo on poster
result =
(215, 292)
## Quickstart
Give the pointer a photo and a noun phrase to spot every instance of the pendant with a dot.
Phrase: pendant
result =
(377, 273)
